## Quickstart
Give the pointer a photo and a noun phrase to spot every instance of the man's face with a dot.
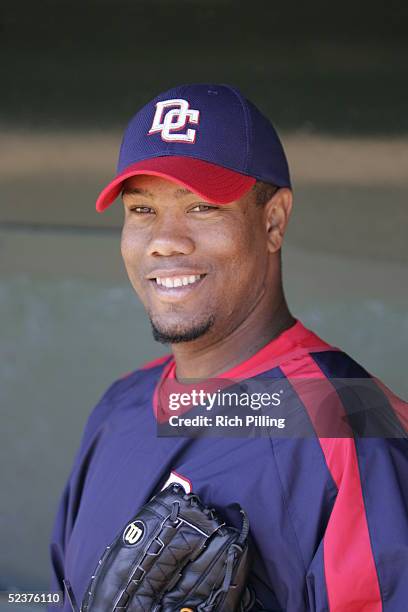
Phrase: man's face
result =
(198, 268)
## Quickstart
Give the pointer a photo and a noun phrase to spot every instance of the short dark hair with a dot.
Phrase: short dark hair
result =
(263, 192)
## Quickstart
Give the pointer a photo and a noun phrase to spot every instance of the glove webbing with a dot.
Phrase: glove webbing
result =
(235, 550)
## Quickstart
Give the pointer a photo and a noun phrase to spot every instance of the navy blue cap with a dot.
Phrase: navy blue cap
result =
(208, 138)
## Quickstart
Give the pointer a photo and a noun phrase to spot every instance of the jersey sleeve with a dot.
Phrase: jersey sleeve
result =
(71, 496)
(361, 564)
(361, 561)
(57, 545)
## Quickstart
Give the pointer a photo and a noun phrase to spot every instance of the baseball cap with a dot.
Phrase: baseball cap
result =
(208, 138)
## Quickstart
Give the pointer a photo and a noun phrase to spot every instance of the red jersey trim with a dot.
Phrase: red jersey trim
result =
(350, 572)
(293, 343)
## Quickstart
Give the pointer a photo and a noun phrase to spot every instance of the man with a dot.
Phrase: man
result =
(207, 199)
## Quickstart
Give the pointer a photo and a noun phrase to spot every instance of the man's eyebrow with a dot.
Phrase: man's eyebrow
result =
(137, 191)
(179, 193)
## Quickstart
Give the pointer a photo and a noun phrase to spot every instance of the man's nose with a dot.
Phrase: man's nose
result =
(170, 239)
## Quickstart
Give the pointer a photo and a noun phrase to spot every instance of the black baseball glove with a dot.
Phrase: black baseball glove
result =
(175, 555)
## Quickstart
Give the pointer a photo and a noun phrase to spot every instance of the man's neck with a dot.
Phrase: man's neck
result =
(193, 360)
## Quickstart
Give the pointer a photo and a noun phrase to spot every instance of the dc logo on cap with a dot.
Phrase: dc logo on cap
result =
(171, 117)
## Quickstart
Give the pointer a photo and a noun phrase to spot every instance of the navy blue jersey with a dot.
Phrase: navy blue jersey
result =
(328, 515)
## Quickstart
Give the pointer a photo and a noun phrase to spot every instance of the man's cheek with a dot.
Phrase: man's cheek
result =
(133, 271)
(125, 250)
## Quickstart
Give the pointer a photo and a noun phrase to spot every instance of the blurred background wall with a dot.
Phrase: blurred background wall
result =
(332, 77)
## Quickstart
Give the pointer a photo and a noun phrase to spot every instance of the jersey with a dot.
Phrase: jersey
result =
(328, 515)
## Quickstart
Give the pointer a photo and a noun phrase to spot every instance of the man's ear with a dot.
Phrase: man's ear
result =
(276, 214)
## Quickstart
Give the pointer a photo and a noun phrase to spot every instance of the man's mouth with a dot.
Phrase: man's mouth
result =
(172, 285)
(178, 281)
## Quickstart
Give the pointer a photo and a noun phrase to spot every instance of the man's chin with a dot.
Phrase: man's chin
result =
(180, 333)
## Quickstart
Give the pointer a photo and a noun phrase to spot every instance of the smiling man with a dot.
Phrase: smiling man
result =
(205, 272)
(207, 198)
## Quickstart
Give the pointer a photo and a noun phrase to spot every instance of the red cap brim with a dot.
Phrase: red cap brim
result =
(214, 183)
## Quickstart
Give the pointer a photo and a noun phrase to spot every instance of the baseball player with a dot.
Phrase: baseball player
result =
(207, 198)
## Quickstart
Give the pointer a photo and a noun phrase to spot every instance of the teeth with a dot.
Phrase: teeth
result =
(178, 281)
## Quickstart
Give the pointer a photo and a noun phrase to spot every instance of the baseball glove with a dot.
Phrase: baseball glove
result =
(175, 555)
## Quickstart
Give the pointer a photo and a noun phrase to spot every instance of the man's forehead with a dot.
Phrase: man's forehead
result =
(149, 186)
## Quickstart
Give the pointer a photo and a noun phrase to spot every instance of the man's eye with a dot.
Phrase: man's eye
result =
(202, 208)
(141, 210)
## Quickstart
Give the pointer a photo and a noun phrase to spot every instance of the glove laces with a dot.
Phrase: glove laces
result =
(234, 550)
